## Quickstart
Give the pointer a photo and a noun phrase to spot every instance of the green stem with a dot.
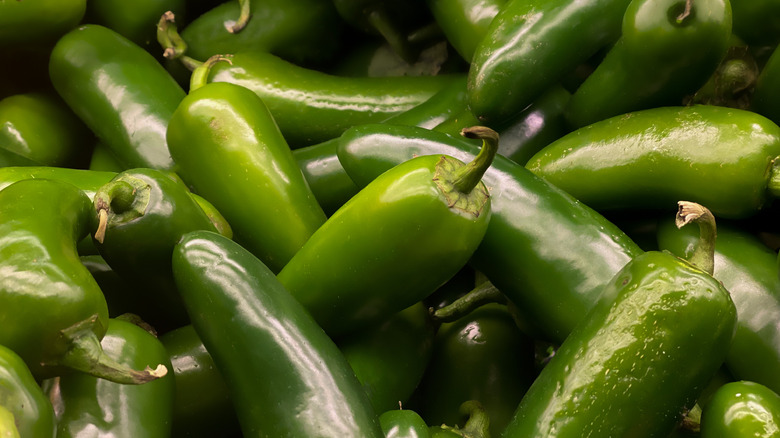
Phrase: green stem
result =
(200, 76)
(119, 201)
(243, 18)
(85, 354)
(478, 424)
(483, 294)
(686, 12)
(467, 177)
(173, 45)
(703, 255)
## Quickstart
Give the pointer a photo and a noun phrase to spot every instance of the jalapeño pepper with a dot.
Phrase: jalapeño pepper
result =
(741, 409)
(30, 412)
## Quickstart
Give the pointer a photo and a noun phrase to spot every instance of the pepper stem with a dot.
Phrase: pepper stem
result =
(484, 293)
(85, 354)
(467, 177)
(200, 76)
(173, 45)
(686, 12)
(119, 200)
(243, 18)
(478, 423)
(703, 255)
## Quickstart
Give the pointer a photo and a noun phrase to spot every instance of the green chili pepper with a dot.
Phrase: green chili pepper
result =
(88, 406)
(689, 38)
(465, 22)
(720, 157)
(403, 423)
(406, 234)
(35, 22)
(196, 375)
(748, 269)
(41, 128)
(539, 238)
(31, 413)
(742, 409)
(482, 356)
(230, 150)
(119, 90)
(89, 181)
(530, 46)
(285, 375)
(142, 214)
(52, 310)
(642, 355)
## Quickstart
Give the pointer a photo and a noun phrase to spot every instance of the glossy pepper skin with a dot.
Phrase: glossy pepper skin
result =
(31, 412)
(400, 423)
(639, 358)
(742, 409)
(748, 269)
(196, 374)
(230, 150)
(720, 157)
(310, 106)
(285, 375)
(390, 357)
(27, 22)
(406, 233)
(465, 22)
(89, 181)
(528, 248)
(531, 45)
(119, 90)
(684, 52)
(88, 406)
(143, 214)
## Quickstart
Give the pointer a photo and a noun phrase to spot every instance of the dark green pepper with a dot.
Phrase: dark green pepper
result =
(285, 375)
(403, 423)
(667, 50)
(642, 355)
(43, 21)
(757, 21)
(406, 233)
(720, 157)
(52, 311)
(742, 409)
(767, 92)
(88, 406)
(228, 147)
(539, 238)
(119, 90)
(465, 22)
(134, 20)
(31, 413)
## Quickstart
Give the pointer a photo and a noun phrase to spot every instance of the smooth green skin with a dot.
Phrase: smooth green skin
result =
(742, 409)
(89, 406)
(483, 356)
(41, 21)
(636, 75)
(119, 91)
(41, 128)
(44, 288)
(401, 238)
(303, 31)
(640, 357)
(89, 181)
(194, 414)
(310, 106)
(767, 92)
(229, 149)
(718, 157)
(465, 22)
(20, 395)
(748, 270)
(285, 375)
(135, 20)
(530, 46)
(757, 21)
(139, 248)
(390, 357)
(539, 238)
(401, 423)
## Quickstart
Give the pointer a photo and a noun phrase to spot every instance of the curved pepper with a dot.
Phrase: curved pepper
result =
(519, 253)
(119, 90)
(88, 406)
(532, 45)
(720, 157)
(642, 355)
(30, 412)
(406, 233)
(52, 311)
(89, 181)
(403, 423)
(667, 50)
(285, 375)
(228, 147)
(742, 409)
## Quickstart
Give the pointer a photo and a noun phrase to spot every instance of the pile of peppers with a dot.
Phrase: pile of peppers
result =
(376, 218)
